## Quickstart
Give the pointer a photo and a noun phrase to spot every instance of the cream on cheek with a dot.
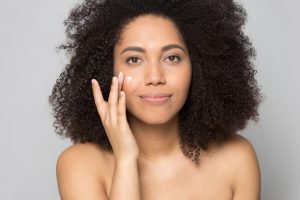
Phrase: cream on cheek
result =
(127, 84)
(128, 79)
(131, 83)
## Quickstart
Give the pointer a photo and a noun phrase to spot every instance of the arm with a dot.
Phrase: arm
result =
(77, 181)
(125, 183)
(247, 182)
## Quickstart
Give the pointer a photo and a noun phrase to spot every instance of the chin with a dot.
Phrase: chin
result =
(152, 118)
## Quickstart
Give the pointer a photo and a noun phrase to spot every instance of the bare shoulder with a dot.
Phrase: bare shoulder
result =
(236, 148)
(241, 155)
(85, 155)
(240, 147)
(79, 170)
(89, 152)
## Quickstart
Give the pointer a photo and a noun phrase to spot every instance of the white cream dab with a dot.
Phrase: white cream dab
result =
(128, 79)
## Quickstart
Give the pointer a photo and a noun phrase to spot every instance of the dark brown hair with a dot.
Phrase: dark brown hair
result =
(223, 94)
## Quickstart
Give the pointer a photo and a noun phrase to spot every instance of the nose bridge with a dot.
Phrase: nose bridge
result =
(154, 73)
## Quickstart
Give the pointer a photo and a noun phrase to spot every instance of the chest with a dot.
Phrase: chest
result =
(181, 183)
(185, 186)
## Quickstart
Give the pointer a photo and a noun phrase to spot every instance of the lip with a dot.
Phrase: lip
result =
(155, 98)
(155, 95)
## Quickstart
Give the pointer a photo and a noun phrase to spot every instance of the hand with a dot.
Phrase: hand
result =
(114, 120)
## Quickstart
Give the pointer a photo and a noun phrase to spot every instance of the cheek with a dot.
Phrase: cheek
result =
(130, 84)
(182, 80)
(180, 86)
(181, 89)
(128, 80)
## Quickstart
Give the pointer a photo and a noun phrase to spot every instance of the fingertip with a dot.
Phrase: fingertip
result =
(95, 83)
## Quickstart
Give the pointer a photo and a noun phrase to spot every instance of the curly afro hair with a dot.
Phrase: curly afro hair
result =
(223, 93)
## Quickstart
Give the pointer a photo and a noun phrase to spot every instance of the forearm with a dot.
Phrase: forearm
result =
(125, 184)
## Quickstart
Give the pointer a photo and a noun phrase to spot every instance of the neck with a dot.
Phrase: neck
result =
(157, 141)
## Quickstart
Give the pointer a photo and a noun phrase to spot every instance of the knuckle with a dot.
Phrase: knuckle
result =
(111, 103)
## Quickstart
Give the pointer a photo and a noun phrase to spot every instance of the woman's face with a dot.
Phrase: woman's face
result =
(156, 63)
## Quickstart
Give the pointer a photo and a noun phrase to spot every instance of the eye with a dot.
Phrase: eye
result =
(133, 58)
(173, 58)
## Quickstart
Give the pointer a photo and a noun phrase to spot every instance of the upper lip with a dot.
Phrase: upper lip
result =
(155, 95)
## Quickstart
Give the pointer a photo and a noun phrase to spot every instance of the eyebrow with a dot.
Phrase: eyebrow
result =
(164, 48)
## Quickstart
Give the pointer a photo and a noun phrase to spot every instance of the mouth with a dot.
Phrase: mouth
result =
(155, 98)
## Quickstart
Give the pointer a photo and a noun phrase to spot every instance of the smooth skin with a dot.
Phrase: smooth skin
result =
(147, 162)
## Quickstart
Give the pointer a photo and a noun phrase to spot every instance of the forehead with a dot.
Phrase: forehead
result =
(150, 30)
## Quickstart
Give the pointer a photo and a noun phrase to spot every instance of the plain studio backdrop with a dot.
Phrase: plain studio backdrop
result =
(29, 65)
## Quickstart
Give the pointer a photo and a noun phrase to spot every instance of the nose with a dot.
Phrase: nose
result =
(154, 75)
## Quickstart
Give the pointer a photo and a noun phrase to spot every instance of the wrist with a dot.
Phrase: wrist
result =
(128, 161)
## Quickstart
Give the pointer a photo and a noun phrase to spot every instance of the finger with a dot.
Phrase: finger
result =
(120, 82)
(113, 98)
(122, 107)
(113, 91)
(98, 97)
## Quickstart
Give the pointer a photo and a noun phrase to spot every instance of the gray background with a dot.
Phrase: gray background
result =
(29, 66)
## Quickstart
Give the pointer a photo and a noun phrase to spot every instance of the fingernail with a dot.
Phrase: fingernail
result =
(120, 74)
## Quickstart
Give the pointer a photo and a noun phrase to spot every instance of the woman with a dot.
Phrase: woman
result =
(166, 126)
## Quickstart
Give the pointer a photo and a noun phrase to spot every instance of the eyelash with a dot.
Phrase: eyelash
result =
(178, 58)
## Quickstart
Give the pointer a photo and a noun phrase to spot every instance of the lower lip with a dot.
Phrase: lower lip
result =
(155, 100)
